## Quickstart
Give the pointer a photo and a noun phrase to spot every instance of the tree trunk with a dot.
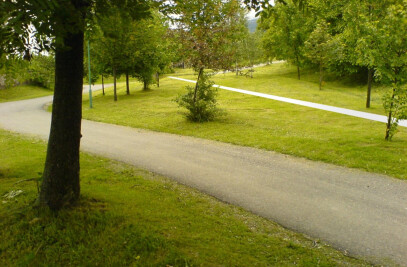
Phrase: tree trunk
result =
(298, 68)
(321, 75)
(390, 117)
(197, 81)
(114, 84)
(237, 71)
(369, 86)
(158, 79)
(60, 185)
(103, 86)
(127, 84)
(145, 85)
(298, 72)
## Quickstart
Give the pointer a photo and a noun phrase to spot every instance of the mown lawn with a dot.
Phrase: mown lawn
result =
(281, 79)
(267, 124)
(23, 92)
(128, 216)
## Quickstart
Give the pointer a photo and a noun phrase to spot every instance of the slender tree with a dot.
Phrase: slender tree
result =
(208, 28)
(286, 29)
(318, 48)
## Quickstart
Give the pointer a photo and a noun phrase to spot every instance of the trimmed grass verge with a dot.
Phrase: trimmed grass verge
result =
(23, 92)
(267, 124)
(128, 216)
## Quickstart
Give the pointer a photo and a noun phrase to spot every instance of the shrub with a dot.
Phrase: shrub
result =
(200, 100)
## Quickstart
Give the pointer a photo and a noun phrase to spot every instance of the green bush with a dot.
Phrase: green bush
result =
(202, 105)
(41, 71)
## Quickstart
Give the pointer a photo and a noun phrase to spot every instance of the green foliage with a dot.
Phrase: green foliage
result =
(286, 30)
(395, 103)
(392, 62)
(318, 44)
(151, 49)
(207, 31)
(200, 100)
(13, 71)
(318, 48)
(41, 71)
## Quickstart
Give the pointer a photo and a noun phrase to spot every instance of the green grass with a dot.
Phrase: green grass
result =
(23, 92)
(281, 79)
(267, 124)
(128, 216)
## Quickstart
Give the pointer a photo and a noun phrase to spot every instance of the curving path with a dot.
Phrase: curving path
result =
(362, 213)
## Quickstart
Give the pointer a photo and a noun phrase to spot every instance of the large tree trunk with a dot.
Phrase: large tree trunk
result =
(114, 84)
(103, 86)
(369, 86)
(127, 84)
(197, 81)
(60, 185)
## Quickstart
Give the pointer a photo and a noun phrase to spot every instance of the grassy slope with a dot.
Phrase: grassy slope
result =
(133, 217)
(281, 79)
(267, 124)
(23, 92)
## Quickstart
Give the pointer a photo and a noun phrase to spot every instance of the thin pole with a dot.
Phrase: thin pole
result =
(90, 81)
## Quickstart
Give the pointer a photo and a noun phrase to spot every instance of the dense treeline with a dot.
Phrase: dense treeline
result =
(367, 37)
(40, 71)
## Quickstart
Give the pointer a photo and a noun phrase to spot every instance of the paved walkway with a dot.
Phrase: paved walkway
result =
(350, 112)
(362, 213)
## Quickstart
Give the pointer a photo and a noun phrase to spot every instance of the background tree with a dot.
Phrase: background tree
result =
(360, 35)
(41, 70)
(392, 64)
(208, 28)
(152, 53)
(318, 48)
(286, 29)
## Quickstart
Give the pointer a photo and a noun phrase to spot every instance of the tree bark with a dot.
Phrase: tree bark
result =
(103, 86)
(237, 71)
(127, 84)
(321, 75)
(60, 185)
(114, 84)
(197, 82)
(390, 116)
(145, 85)
(298, 68)
(158, 79)
(369, 86)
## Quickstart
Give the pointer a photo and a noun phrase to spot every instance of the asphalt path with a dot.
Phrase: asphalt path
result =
(344, 111)
(362, 213)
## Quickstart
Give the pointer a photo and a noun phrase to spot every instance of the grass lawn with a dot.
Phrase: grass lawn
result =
(132, 217)
(267, 124)
(281, 79)
(23, 92)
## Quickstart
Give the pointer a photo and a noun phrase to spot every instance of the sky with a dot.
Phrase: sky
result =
(252, 13)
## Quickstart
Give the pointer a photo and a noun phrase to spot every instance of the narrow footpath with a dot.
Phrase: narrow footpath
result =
(344, 111)
(361, 213)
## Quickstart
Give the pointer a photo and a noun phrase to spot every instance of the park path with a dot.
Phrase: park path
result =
(362, 213)
(345, 111)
